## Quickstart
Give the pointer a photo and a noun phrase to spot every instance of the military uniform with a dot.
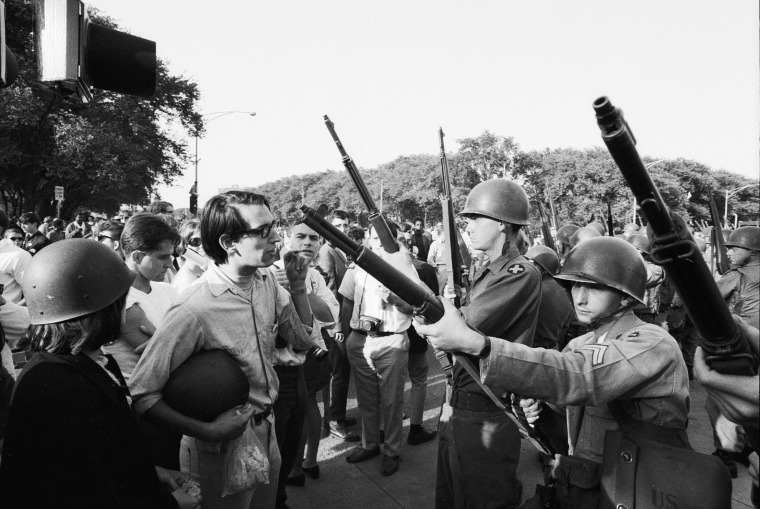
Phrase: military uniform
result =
(741, 287)
(635, 363)
(479, 446)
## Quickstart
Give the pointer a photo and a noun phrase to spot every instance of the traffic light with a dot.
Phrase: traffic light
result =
(193, 204)
(8, 63)
(79, 55)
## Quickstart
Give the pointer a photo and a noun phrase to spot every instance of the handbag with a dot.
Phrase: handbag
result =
(648, 466)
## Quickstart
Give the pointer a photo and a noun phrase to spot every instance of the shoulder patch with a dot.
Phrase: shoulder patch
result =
(598, 353)
(516, 269)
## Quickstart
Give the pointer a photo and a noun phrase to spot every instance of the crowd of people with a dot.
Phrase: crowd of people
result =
(106, 313)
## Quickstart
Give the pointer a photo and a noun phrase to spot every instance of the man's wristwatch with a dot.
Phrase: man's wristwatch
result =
(486, 351)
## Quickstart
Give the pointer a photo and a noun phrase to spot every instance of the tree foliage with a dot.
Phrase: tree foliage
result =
(113, 150)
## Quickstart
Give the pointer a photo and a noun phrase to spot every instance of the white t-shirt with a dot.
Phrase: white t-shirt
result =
(155, 305)
(13, 262)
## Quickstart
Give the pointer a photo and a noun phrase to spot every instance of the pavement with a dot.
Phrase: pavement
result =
(360, 485)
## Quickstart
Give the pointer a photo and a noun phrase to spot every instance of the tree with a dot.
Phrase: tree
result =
(488, 155)
(113, 150)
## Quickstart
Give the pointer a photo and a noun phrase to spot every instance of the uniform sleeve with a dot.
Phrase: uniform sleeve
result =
(655, 275)
(729, 283)
(178, 336)
(585, 373)
(497, 307)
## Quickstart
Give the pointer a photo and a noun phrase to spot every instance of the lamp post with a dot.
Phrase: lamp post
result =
(214, 116)
(729, 194)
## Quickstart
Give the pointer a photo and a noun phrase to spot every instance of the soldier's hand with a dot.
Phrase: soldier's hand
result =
(451, 333)
(339, 337)
(532, 409)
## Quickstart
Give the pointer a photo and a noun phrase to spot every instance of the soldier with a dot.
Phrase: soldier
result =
(625, 362)
(563, 239)
(648, 310)
(479, 446)
(556, 310)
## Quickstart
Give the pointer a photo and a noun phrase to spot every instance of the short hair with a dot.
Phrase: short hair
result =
(144, 232)
(4, 220)
(83, 333)
(418, 219)
(29, 217)
(13, 229)
(58, 223)
(356, 233)
(159, 207)
(340, 214)
(111, 226)
(220, 216)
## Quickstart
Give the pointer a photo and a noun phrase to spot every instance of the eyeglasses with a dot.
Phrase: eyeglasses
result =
(194, 242)
(101, 237)
(261, 231)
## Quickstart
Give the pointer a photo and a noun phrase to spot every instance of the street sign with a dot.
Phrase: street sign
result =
(59, 193)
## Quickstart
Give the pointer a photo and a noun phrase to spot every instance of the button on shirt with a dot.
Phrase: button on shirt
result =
(213, 314)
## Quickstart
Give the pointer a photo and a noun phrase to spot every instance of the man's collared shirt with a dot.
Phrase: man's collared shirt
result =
(13, 262)
(215, 314)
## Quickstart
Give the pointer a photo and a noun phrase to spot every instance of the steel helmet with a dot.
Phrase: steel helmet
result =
(607, 261)
(565, 232)
(640, 242)
(72, 278)
(747, 237)
(599, 227)
(630, 228)
(583, 234)
(499, 199)
(544, 256)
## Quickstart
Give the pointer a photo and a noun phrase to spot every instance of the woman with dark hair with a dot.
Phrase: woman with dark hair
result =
(71, 438)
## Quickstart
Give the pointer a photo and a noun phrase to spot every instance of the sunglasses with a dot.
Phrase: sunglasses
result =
(194, 242)
(261, 231)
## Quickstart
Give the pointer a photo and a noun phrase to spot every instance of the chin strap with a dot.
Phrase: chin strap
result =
(606, 317)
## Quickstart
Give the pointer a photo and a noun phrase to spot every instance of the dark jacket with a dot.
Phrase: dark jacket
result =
(35, 242)
(73, 441)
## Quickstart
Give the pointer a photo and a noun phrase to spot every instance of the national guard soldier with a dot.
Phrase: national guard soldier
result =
(479, 446)
(633, 365)
(563, 239)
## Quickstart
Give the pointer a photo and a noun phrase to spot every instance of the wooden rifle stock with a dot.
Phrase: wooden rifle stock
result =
(423, 301)
(376, 218)
(719, 246)
(673, 247)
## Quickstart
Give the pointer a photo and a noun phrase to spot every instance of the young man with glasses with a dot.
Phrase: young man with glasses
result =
(238, 307)
(193, 259)
(110, 235)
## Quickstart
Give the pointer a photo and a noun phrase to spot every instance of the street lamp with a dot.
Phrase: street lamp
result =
(729, 194)
(213, 116)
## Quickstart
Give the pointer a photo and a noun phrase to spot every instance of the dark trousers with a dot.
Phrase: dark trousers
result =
(478, 454)
(341, 376)
(289, 416)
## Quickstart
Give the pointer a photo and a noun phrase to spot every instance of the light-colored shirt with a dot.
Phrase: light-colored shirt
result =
(215, 314)
(15, 320)
(13, 262)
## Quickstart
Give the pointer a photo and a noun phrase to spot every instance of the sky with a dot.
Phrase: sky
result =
(686, 73)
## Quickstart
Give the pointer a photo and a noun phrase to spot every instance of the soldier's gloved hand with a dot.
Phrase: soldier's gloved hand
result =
(532, 409)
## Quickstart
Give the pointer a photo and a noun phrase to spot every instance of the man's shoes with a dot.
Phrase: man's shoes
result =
(360, 454)
(312, 472)
(343, 433)
(728, 459)
(296, 480)
(420, 436)
(390, 465)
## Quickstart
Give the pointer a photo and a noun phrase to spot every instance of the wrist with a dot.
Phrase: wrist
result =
(485, 351)
(296, 289)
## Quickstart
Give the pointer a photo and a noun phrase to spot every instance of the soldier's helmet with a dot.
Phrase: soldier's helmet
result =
(640, 242)
(499, 199)
(72, 278)
(607, 261)
(565, 232)
(747, 237)
(583, 234)
(599, 227)
(545, 257)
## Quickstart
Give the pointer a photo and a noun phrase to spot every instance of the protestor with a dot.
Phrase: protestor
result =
(479, 446)
(190, 250)
(13, 262)
(378, 349)
(297, 397)
(437, 256)
(78, 228)
(46, 225)
(110, 235)
(16, 236)
(421, 239)
(239, 308)
(623, 367)
(555, 312)
(93, 455)
(34, 239)
(333, 264)
(57, 232)
(648, 310)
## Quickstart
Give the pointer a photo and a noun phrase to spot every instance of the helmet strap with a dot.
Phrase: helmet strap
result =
(606, 318)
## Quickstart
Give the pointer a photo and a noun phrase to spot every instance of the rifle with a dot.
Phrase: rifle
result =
(545, 229)
(551, 209)
(673, 247)
(719, 246)
(610, 229)
(421, 299)
(376, 219)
